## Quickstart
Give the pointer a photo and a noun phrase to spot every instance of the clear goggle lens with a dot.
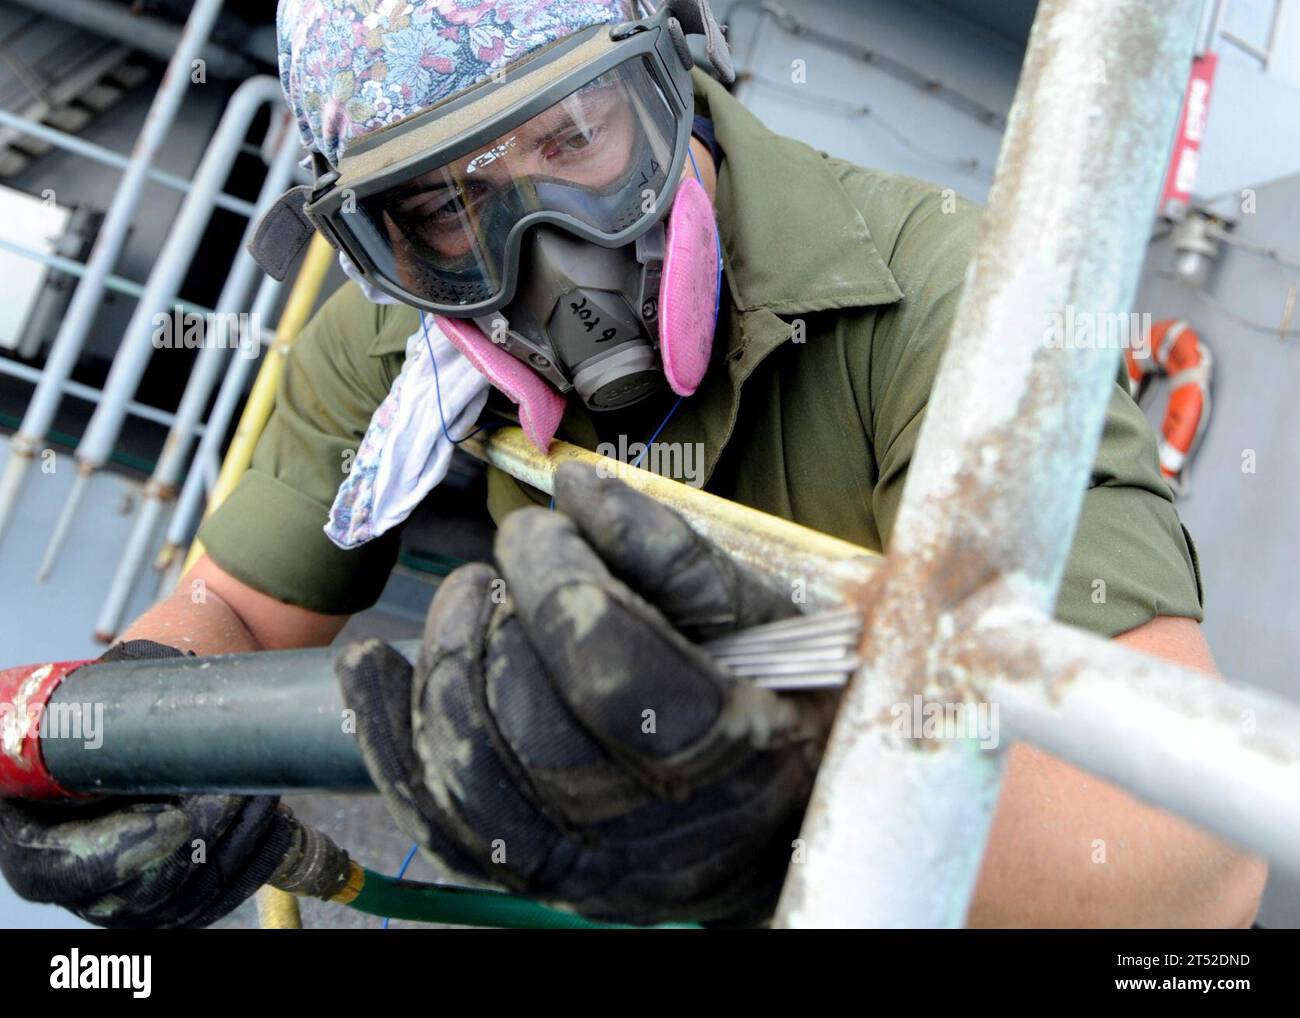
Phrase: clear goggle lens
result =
(600, 156)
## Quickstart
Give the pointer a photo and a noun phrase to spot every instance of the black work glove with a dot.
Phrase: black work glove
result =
(124, 862)
(565, 737)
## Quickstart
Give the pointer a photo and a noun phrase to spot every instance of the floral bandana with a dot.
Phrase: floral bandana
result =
(408, 444)
(351, 67)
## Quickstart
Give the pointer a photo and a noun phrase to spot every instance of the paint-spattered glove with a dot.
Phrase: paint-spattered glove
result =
(122, 862)
(563, 736)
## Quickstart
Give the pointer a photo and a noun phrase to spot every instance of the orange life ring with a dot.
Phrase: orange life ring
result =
(1178, 353)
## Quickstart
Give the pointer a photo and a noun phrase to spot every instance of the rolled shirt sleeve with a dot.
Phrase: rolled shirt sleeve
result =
(268, 533)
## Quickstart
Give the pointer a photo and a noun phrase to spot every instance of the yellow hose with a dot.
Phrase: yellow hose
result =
(277, 909)
(302, 298)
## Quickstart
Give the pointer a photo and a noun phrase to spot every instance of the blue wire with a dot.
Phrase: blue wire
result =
(405, 862)
(437, 389)
(641, 455)
(662, 424)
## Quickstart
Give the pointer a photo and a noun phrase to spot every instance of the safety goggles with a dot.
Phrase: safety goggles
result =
(589, 135)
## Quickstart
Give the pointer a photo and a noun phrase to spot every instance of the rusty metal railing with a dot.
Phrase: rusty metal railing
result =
(1002, 462)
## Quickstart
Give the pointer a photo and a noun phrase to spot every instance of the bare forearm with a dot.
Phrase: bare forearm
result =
(211, 612)
(188, 623)
(1070, 850)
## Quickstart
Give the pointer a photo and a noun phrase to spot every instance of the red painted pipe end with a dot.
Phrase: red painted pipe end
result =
(24, 693)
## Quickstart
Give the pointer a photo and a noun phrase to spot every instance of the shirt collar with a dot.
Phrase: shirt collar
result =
(771, 188)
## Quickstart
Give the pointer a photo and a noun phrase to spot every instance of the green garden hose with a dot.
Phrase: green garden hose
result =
(462, 906)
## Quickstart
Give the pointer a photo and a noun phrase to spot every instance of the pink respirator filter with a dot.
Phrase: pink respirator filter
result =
(688, 294)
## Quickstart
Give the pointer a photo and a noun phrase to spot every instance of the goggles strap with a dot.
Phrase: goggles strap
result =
(697, 19)
(282, 233)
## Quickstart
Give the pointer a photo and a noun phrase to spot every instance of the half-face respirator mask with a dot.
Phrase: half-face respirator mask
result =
(549, 211)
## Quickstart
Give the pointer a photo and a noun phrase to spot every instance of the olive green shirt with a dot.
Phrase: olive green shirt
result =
(841, 285)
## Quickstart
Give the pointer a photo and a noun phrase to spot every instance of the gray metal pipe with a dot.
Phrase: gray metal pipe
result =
(1224, 757)
(895, 831)
(152, 35)
(136, 348)
(108, 245)
(264, 722)
(97, 153)
(203, 378)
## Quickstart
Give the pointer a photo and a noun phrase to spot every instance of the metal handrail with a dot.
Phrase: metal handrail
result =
(169, 269)
(80, 315)
(895, 832)
(212, 359)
